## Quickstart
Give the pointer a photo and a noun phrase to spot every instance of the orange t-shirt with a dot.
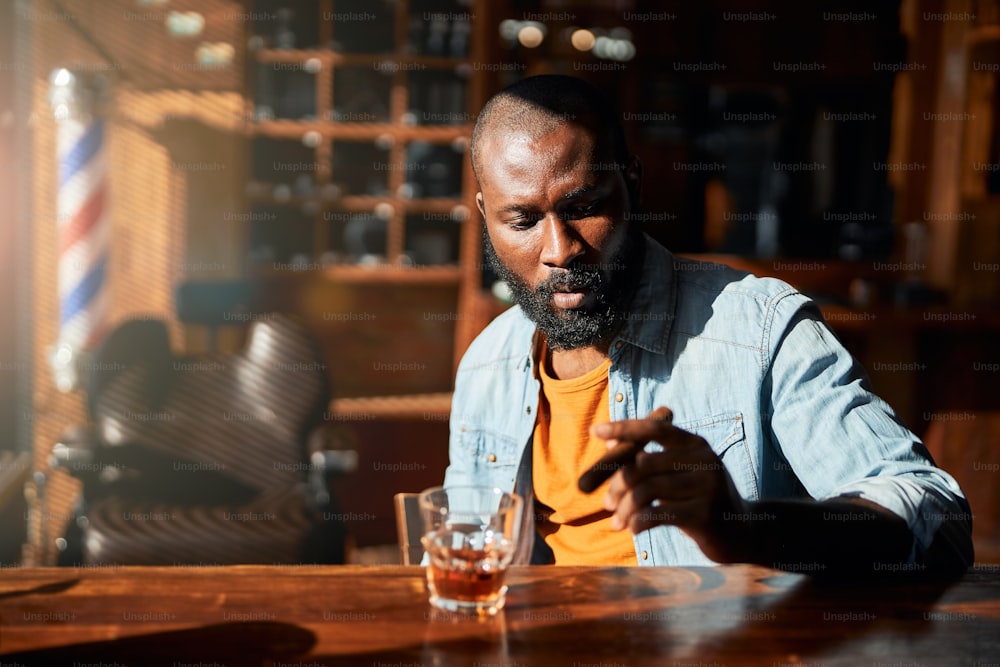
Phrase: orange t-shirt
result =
(578, 527)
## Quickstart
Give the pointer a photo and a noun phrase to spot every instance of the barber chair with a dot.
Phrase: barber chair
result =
(206, 459)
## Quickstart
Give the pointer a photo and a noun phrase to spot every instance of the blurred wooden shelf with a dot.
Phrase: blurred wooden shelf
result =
(388, 62)
(287, 128)
(259, 193)
(418, 275)
(446, 274)
(435, 407)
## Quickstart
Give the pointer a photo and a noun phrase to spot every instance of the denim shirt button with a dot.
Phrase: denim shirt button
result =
(619, 397)
(645, 554)
(618, 345)
(492, 458)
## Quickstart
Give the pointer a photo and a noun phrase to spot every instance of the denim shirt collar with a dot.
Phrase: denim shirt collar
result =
(651, 313)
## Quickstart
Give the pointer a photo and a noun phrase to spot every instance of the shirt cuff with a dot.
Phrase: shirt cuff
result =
(924, 510)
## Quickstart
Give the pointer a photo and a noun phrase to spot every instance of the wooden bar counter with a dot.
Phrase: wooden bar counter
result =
(574, 616)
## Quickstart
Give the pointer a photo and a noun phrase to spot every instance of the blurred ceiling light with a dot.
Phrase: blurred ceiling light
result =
(185, 24)
(614, 49)
(61, 80)
(531, 34)
(582, 39)
(312, 139)
(527, 33)
(62, 77)
(509, 28)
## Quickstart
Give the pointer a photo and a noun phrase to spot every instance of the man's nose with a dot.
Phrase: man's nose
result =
(561, 243)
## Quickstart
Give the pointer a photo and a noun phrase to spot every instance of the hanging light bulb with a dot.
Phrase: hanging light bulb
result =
(582, 39)
(531, 35)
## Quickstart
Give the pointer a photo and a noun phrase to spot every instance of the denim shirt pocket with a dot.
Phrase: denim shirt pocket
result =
(494, 457)
(725, 434)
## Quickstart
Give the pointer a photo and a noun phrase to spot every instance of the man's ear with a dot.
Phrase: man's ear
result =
(479, 205)
(633, 181)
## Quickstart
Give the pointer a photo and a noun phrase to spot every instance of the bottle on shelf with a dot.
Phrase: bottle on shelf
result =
(458, 45)
(433, 170)
(284, 35)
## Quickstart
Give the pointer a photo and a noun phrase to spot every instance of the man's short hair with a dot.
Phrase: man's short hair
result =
(539, 104)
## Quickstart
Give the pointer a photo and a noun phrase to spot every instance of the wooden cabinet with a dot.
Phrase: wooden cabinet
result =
(359, 194)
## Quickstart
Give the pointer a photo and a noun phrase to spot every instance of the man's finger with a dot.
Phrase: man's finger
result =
(632, 429)
(620, 455)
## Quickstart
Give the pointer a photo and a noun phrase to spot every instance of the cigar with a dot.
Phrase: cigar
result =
(608, 465)
(619, 457)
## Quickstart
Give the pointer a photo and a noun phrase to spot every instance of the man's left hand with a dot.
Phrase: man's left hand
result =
(685, 485)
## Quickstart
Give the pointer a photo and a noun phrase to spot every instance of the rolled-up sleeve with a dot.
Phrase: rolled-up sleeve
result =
(841, 440)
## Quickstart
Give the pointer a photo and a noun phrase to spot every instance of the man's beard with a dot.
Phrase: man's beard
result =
(570, 329)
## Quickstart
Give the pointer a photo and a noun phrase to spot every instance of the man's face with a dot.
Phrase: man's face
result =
(557, 232)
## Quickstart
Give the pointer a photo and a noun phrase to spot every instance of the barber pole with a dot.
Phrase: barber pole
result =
(83, 224)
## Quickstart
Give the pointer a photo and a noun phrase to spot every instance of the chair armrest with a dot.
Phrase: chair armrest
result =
(332, 449)
(76, 450)
(331, 453)
(81, 453)
(331, 461)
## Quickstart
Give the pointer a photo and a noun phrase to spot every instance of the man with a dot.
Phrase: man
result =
(762, 442)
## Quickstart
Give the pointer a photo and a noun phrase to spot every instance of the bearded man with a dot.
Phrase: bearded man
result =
(757, 437)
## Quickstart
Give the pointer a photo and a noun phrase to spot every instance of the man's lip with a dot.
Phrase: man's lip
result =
(566, 289)
(569, 300)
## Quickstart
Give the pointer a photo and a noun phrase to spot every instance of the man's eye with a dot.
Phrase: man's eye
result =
(522, 222)
(582, 210)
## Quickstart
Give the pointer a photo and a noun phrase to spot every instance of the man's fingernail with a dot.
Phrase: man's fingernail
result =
(602, 430)
(664, 414)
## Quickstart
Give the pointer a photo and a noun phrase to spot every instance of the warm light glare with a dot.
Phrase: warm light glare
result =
(582, 40)
(530, 36)
(214, 54)
(312, 139)
(62, 78)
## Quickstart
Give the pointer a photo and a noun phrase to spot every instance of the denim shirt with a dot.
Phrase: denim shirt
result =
(746, 363)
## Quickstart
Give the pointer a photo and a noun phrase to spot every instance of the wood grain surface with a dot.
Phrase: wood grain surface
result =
(574, 616)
